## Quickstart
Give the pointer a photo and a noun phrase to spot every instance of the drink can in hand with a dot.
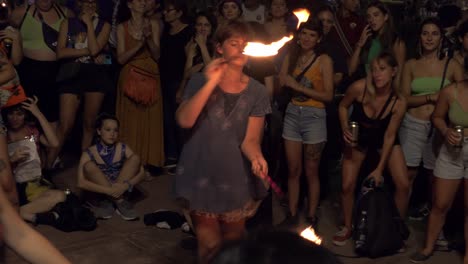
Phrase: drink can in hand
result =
(459, 145)
(354, 128)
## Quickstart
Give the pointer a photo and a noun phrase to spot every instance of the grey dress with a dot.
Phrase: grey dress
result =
(212, 173)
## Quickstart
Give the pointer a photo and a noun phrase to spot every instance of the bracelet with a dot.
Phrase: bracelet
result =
(130, 186)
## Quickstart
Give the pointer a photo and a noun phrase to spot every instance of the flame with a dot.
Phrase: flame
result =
(302, 15)
(309, 234)
(258, 49)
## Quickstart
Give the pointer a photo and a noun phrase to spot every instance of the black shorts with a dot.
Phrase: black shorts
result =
(38, 78)
(91, 78)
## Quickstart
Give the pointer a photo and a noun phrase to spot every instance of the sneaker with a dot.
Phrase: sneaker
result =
(419, 257)
(104, 209)
(420, 214)
(171, 171)
(126, 211)
(342, 236)
(441, 243)
(170, 163)
(290, 221)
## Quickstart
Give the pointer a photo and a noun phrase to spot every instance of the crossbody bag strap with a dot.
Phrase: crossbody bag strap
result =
(300, 75)
(387, 103)
(444, 74)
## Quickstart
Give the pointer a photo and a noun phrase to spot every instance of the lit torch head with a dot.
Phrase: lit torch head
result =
(302, 15)
(309, 234)
(258, 49)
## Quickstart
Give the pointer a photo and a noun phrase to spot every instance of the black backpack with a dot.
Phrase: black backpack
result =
(385, 231)
(73, 216)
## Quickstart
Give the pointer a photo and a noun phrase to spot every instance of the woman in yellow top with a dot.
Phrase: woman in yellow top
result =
(309, 75)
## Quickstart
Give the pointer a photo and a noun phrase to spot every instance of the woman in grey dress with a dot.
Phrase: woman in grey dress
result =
(225, 110)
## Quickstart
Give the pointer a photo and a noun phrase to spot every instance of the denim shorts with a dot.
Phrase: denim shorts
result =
(305, 124)
(452, 165)
(417, 142)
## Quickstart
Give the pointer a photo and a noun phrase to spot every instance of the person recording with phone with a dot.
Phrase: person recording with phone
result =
(379, 35)
(83, 73)
(10, 38)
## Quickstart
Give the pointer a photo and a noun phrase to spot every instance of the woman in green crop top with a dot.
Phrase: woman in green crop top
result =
(379, 35)
(39, 67)
(451, 168)
(421, 81)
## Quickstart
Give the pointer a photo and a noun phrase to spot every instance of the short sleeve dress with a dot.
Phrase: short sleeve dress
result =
(212, 173)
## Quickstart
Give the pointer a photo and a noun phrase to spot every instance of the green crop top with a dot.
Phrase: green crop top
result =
(31, 30)
(456, 114)
(427, 85)
(374, 51)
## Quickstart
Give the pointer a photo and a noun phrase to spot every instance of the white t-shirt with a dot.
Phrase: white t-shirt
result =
(257, 15)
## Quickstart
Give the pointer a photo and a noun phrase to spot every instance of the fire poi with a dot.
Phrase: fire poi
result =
(258, 49)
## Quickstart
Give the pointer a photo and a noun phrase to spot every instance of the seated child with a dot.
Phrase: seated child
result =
(110, 168)
(36, 198)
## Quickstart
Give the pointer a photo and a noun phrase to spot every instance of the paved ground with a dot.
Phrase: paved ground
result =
(116, 241)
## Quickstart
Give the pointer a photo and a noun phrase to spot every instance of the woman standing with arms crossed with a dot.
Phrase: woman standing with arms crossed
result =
(226, 111)
(137, 50)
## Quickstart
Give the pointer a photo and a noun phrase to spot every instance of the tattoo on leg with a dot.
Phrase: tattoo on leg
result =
(314, 151)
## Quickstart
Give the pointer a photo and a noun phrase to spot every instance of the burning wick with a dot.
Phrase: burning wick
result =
(4, 4)
(258, 49)
(309, 234)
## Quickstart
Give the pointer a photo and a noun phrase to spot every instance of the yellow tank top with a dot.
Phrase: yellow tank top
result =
(311, 79)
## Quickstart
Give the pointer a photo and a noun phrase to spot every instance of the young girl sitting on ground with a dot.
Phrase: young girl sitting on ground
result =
(36, 198)
(111, 168)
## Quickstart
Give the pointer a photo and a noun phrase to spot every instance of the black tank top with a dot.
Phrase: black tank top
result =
(372, 131)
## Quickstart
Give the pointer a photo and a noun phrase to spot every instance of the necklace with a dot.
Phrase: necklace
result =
(104, 149)
(134, 30)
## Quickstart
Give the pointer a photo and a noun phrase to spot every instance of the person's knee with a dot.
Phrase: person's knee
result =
(58, 196)
(133, 160)
(440, 208)
(89, 168)
(348, 187)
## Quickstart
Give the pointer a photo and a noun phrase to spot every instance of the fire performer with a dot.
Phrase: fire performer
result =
(225, 110)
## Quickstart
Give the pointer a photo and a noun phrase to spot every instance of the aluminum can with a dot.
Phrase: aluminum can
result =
(459, 130)
(354, 128)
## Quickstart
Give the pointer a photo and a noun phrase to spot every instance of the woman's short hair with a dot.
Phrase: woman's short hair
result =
(232, 29)
(274, 247)
(237, 2)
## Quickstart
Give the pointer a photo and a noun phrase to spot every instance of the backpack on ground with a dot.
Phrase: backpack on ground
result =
(379, 231)
(74, 216)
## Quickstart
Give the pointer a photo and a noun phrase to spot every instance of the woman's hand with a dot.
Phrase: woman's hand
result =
(365, 34)
(200, 40)
(87, 19)
(452, 137)
(147, 30)
(118, 189)
(259, 167)
(20, 154)
(377, 176)
(31, 105)
(347, 136)
(9, 33)
(289, 81)
(215, 70)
